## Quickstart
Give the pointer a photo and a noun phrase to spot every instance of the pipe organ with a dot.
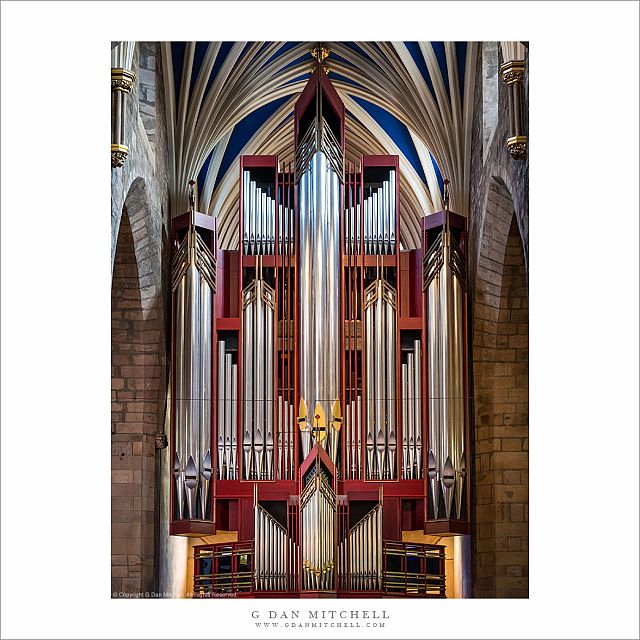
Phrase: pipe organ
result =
(319, 377)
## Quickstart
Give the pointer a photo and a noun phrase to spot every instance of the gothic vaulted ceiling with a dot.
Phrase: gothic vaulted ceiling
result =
(413, 99)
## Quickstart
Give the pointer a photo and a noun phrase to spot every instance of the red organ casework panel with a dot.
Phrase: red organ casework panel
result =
(331, 412)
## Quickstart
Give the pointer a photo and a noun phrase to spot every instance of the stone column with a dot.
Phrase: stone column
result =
(122, 79)
(512, 71)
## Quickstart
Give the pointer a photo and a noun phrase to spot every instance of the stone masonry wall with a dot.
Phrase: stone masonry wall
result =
(139, 317)
(498, 265)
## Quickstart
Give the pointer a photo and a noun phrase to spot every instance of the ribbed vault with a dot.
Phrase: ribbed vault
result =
(212, 88)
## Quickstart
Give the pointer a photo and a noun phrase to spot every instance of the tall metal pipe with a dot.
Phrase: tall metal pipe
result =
(253, 207)
(192, 282)
(180, 401)
(445, 299)
(234, 422)
(227, 413)
(319, 285)
(393, 209)
(391, 381)
(221, 409)
(405, 422)
(411, 413)
(247, 369)
(417, 412)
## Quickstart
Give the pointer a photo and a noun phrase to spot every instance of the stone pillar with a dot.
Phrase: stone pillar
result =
(512, 71)
(122, 79)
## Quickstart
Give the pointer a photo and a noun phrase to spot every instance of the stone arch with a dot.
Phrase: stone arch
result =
(500, 374)
(138, 390)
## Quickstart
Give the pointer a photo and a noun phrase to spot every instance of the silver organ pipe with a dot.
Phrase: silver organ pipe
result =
(234, 422)
(227, 414)
(392, 211)
(412, 414)
(222, 451)
(386, 213)
(380, 343)
(193, 286)
(379, 218)
(445, 283)
(253, 208)
(258, 365)
(318, 514)
(417, 411)
(362, 559)
(375, 222)
(246, 230)
(269, 404)
(273, 564)
(319, 298)
(259, 218)
(405, 421)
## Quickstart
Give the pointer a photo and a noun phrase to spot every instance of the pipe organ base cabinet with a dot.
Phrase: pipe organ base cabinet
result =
(319, 415)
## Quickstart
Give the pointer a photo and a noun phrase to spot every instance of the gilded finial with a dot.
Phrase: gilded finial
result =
(192, 196)
(319, 53)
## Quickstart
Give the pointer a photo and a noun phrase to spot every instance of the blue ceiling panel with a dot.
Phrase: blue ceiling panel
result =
(203, 172)
(461, 56)
(243, 131)
(418, 58)
(438, 48)
(397, 131)
(438, 174)
(287, 46)
(198, 58)
(223, 52)
(177, 59)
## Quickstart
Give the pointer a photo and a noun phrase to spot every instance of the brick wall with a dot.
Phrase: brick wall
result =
(498, 266)
(501, 360)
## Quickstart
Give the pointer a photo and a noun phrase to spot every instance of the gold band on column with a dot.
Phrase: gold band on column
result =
(512, 71)
(122, 80)
(118, 155)
(517, 146)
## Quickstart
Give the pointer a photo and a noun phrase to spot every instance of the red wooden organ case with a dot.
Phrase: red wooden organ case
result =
(306, 366)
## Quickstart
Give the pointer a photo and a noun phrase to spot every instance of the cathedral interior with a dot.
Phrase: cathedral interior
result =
(319, 319)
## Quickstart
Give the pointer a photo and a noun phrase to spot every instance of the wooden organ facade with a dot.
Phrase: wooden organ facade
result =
(319, 378)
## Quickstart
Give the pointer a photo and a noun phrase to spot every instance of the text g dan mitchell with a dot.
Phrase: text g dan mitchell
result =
(321, 614)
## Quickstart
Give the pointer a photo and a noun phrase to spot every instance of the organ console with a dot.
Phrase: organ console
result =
(319, 378)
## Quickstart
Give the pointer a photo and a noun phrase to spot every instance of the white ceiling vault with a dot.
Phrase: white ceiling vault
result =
(411, 99)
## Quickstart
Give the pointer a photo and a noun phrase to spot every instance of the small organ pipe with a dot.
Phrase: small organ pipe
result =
(380, 341)
(221, 409)
(411, 413)
(246, 181)
(234, 422)
(253, 203)
(405, 422)
(417, 411)
(365, 552)
(392, 208)
(227, 413)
